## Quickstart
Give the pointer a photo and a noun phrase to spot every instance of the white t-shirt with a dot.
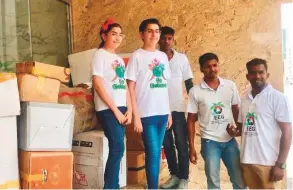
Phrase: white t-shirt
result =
(261, 133)
(214, 108)
(111, 68)
(180, 71)
(150, 71)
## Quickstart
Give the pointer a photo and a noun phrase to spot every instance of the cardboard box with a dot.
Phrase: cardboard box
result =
(133, 140)
(135, 167)
(9, 95)
(90, 154)
(85, 115)
(46, 170)
(44, 70)
(38, 89)
(80, 65)
(45, 127)
(9, 177)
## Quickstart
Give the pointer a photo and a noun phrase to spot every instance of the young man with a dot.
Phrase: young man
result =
(214, 103)
(147, 74)
(266, 126)
(180, 71)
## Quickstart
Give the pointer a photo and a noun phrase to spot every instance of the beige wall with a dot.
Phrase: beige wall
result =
(237, 30)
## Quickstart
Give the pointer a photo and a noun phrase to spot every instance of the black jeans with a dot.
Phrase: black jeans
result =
(179, 128)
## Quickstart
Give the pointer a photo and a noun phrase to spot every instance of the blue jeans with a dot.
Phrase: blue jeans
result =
(154, 128)
(212, 153)
(179, 128)
(115, 134)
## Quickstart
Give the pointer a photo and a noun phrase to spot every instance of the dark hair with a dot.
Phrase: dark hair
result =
(167, 30)
(143, 25)
(207, 57)
(256, 61)
(103, 31)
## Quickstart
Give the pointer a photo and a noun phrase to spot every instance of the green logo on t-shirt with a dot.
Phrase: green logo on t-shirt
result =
(218, 117)
(250, 121)
(217, 108)
(157, 69)
(119, 73)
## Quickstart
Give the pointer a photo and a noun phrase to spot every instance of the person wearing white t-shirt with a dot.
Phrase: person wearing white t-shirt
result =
(147, 73)
(214, 104)
(111, 98)
(265, 124)
(180, 73)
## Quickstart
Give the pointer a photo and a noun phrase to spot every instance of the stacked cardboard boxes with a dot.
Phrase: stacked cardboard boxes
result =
(9, 109)
(91, 153)
(45, 128)
(135, 156)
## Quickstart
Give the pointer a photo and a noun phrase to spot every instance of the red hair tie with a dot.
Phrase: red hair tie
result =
(107, 23)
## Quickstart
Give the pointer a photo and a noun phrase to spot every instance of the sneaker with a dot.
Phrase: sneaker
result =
(171, 183)
(183, 184)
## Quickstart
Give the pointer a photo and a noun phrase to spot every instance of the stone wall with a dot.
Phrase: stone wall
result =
(236, 30)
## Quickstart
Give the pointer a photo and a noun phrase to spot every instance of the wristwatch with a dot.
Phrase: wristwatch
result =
(281, 165)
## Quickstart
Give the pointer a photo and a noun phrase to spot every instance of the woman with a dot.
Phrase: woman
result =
(112, 100)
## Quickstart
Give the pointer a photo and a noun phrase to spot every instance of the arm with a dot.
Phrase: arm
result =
(235, 131)
(136, 117)
(128, 113)
(188, 84)
(191, 119)
(277, 173)
(105, 97)
(285, 142)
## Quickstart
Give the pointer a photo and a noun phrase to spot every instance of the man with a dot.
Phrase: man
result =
(180, 71)
(214, 103)
(265, 124)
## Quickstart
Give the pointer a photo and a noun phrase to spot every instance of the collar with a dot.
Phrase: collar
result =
(265, 90)
(203, 84)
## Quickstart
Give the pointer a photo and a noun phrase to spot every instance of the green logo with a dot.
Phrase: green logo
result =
(157, 69)
(119, 70)
(250, 119)
(119, 73)
(217, 108)
(250, 123)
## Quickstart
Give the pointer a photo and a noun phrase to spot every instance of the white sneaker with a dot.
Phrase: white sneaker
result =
(171, 183)
(183, 184)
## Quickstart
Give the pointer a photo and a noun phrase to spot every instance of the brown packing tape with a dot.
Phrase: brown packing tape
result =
(10, 185)
(6, 76)
(30, 178)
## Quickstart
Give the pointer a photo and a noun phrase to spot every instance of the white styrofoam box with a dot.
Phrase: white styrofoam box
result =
(80, 66)
(45, 126)
(9, 177)
(9, 101)
(90, 155)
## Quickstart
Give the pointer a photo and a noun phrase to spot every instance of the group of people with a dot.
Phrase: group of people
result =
(149, 94)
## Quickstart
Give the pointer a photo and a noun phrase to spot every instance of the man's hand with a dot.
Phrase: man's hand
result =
(277, 174)
(232, 131)
(193, 156)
